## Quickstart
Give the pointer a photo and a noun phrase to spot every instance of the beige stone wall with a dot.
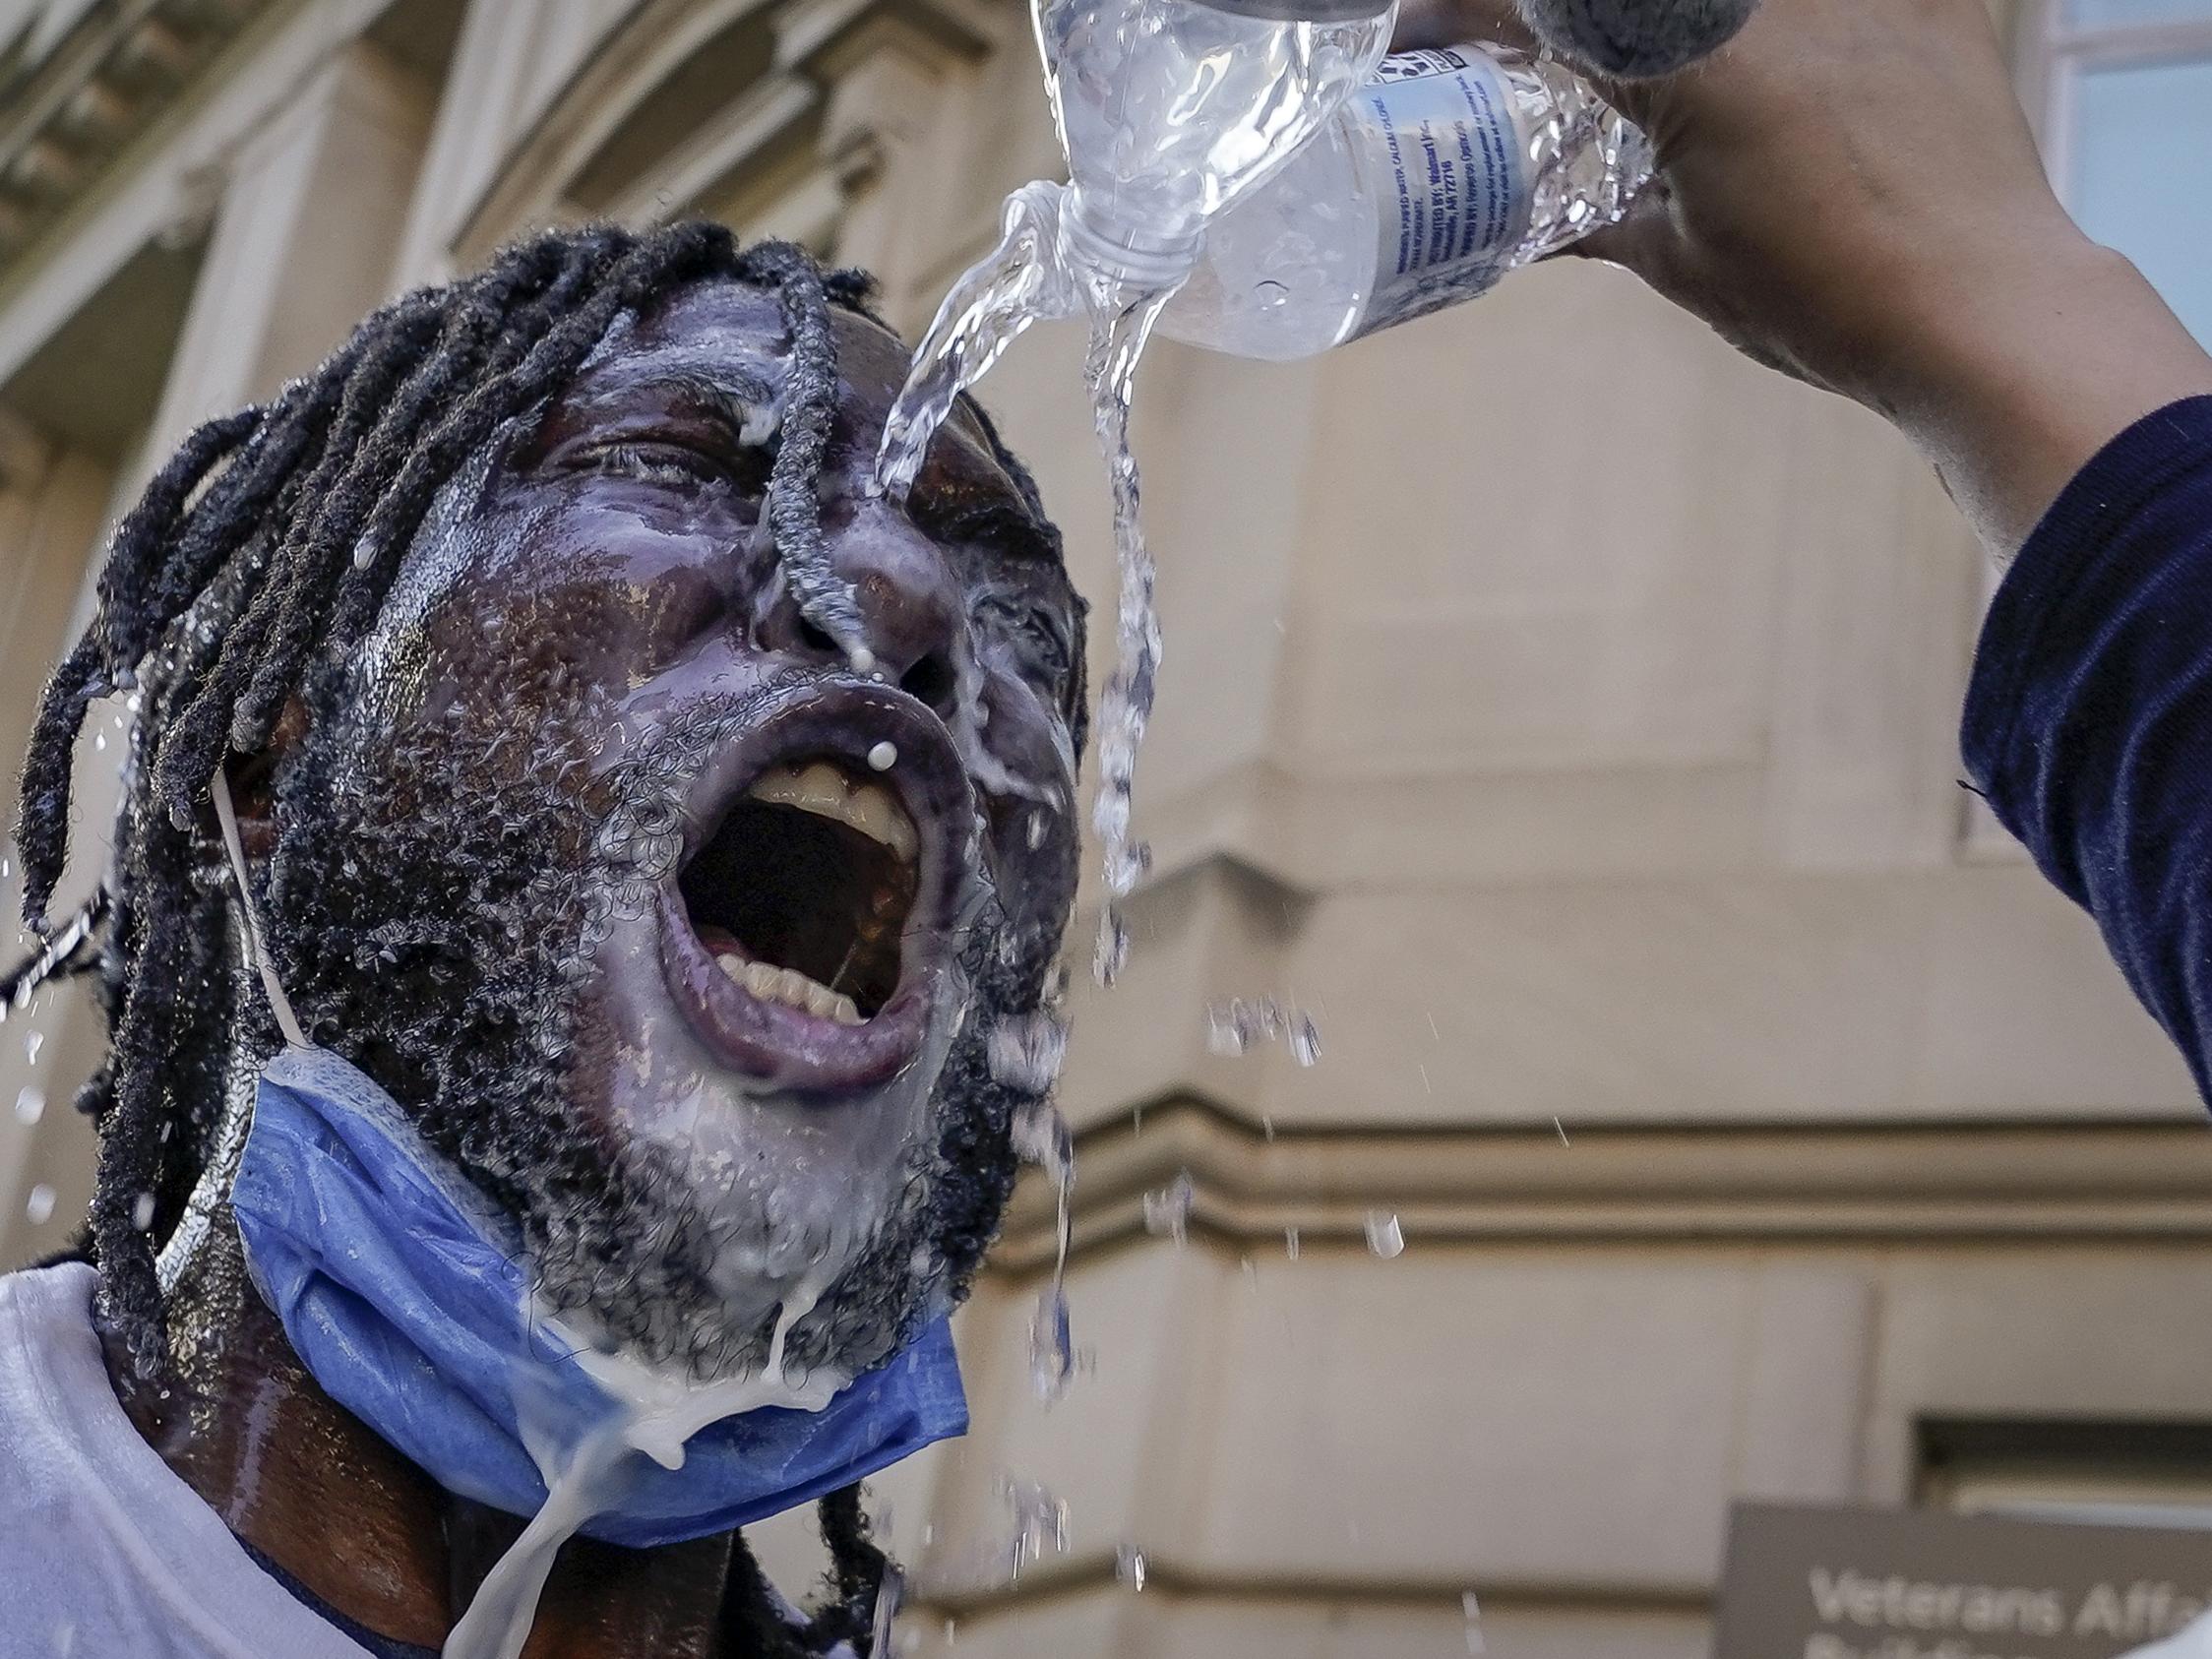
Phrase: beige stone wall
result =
(1558, 707)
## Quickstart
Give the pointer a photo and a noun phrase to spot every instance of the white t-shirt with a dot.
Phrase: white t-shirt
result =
(2195, 1642)
(103, 1551)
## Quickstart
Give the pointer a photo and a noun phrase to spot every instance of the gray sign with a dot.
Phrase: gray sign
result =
(1841, 1582)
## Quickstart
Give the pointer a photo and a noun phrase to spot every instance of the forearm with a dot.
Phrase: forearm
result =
(2019, 369)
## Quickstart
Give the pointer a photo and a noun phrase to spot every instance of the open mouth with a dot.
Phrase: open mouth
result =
(802, 895)
(811, 918)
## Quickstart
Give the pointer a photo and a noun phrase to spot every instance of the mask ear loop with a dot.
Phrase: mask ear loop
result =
(256, 940)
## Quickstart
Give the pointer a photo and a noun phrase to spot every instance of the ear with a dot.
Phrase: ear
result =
(1634, 38)
(253, 783)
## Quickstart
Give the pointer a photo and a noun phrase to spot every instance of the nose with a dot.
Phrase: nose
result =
(911, 619)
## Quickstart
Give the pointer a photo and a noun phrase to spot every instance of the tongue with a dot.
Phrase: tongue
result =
(720, 941)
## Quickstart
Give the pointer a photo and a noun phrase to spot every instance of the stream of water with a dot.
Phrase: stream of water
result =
(1010, 287)
(986, 311)
(1118, 331)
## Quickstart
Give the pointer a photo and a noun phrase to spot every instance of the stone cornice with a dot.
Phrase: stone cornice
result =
(1096, 1573)
(113, 73)
(2143, 1181)
(636, 60)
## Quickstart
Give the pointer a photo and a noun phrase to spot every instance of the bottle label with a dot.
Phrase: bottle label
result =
(1442, 144)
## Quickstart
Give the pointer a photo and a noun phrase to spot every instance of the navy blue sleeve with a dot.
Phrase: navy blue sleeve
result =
(2088, 721)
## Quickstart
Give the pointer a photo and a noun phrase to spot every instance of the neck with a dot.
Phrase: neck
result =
(316, 1490)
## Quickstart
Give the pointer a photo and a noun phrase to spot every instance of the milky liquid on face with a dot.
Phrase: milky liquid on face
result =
(659, 1409)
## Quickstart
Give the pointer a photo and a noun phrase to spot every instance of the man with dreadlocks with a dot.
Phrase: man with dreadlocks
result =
(576, 947)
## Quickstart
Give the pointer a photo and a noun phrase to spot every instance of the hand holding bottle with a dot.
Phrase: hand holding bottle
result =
(1849, 192)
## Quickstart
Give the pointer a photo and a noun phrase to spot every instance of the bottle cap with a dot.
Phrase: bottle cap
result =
(1303, 10)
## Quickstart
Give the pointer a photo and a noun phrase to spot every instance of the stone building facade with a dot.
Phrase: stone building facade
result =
(1560, 708)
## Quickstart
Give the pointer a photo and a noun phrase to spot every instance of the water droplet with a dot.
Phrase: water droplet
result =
(100, 740)
(1051, 1349)
(1052, 1354)
(1111, 954)
(1129, 1566)
(1290, 1243)
(1562, 1128)
(863, 661)
(31, 1044)
(1385, 1236)
(888, 1590)
(1472, 1608)
(142, 1211)
(884, 755)
(40, 1204)
(1167, 1212)
(1041, 1138)
(1234, 1026)
(1035, 834)
(1040, 1519)
(1267, 1129)
(1026, 1051)
(1270, 295)
(31, 1104)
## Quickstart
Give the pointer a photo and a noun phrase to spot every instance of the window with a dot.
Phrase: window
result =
(2123, 92)
(2141, 1473)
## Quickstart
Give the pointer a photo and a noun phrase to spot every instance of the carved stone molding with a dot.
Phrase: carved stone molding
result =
(109, 74)
(2130, 1180)
(784, 119)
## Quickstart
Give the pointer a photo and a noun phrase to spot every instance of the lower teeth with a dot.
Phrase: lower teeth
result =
(791, 988)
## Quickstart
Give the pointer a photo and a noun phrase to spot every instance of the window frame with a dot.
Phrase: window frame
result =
(2053, 51)
(2116, 1471)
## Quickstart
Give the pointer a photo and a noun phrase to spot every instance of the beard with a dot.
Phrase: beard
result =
(437, 897)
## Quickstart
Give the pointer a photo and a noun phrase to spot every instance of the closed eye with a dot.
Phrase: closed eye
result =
(1037, 632)
(677, 466)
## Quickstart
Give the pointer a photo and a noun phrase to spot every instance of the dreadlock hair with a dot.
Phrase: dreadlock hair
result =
(253, 567)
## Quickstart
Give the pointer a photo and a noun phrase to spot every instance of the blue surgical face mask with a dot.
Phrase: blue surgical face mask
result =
(405, 1294)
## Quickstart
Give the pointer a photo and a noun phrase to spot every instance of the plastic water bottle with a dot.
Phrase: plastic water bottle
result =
(1168, 109)
(1448, 170)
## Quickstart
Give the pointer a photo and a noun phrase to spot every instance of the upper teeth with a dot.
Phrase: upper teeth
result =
(819, 788)
(791, 987)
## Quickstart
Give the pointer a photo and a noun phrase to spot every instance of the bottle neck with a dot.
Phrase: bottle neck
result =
(1099, 244)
